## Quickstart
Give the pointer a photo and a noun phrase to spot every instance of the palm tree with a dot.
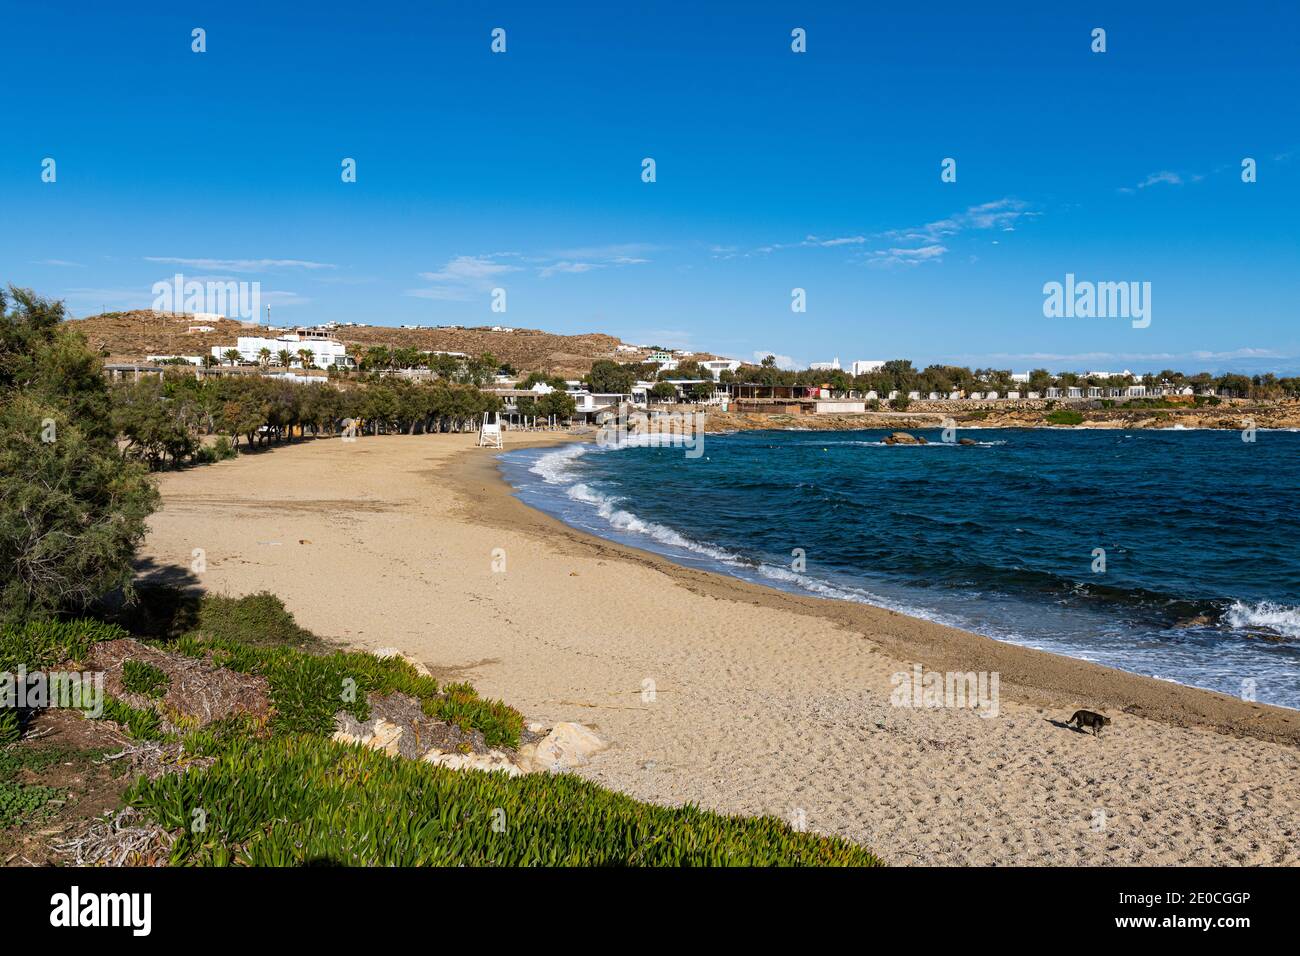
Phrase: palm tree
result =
(264, 356)
(285, 357)
(232, 356)
(305, 357)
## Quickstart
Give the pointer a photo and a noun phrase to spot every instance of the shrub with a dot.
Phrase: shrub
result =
(258, 619)
(220, 450)
(304, 800)
(143, 678)
(901, 403)
(1064, 416)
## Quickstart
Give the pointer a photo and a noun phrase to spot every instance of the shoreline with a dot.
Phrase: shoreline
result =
(728, 695)
(1038, 678)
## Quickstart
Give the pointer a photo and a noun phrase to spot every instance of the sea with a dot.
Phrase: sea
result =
(1169, 553)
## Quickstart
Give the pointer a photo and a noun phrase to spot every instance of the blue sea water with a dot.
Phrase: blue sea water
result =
(1200, 532)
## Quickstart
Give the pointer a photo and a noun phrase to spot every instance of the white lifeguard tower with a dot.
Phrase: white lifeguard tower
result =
(489, 435)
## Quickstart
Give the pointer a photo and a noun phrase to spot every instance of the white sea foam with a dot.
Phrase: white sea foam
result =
(1276, 617)
(609, 508)
(557, 467)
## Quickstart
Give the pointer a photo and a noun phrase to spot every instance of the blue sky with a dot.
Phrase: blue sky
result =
(775, 170)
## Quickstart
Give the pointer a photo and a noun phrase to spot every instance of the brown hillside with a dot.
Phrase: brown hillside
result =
(130, 336)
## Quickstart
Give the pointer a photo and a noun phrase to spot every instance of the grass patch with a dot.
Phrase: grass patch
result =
(299, 800)
(138, 723)
(309, 684)
(141, 677)
(307, 690)
(40, 645)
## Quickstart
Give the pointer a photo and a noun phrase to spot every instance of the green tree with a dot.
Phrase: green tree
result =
(559, 404)
(610, 377)
(72, 508)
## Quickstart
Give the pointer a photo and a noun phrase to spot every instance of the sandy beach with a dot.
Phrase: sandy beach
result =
(726, 694)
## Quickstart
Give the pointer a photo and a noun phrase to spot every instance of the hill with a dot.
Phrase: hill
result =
(130, 336)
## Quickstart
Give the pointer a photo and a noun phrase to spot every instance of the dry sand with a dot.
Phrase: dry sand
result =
(763, 702)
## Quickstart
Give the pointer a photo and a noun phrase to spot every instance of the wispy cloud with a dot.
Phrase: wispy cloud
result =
(1166, 177)
(557, 268)
(463, 277)
(241, 265)
(1199, 355)
(915, 244)
(896, 256)
(63, 263)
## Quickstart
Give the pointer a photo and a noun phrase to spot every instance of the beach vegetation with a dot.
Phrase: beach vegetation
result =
(72, 506)
(141, 677)
(1064, 416)
(298, 800)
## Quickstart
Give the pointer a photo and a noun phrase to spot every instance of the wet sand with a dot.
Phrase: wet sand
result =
(727, 694)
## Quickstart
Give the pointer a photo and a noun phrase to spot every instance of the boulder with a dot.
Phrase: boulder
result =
(905, 438)
(490, 762)
(967, 441)
(386, 652)
(382, 735)
(568, 745)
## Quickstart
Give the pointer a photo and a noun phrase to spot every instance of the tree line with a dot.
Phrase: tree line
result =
(163, 420)
(900, 375)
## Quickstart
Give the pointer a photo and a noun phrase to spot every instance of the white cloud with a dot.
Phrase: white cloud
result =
(58, 262)
(567, 267)
(241, 265)
(469, 269)
(908, 257)
(917, 244)
(782, 361)
(1173, 179)
(462, 278)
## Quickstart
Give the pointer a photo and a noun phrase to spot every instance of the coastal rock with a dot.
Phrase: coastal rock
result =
(967, 441)
(384, 653)
(490, 762)
(385, 736)
(568, 745)
(905, 438)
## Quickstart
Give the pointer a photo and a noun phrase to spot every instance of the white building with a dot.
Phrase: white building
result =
(716, 367)
(864, 366)
(1021, 377)
(326, 352)
(826, 366)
